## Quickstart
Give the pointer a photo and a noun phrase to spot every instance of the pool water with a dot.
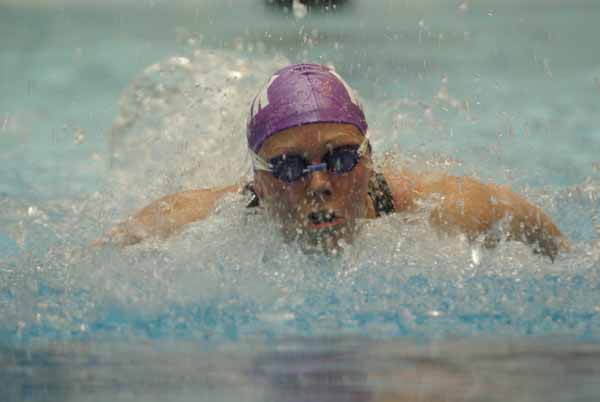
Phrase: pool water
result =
(106, 107)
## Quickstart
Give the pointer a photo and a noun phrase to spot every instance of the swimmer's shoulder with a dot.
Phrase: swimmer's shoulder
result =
(197, 202)
(166, 216)
(405, 187)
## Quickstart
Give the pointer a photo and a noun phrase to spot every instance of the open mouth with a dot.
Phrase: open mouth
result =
(321, 219)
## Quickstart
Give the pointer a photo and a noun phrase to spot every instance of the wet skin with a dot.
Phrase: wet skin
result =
(322, 207)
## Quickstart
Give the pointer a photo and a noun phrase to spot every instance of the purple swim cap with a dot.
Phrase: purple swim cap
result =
(302, 94)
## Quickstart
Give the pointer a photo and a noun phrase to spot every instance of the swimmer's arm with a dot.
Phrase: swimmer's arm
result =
(473, 208)
(166, 216)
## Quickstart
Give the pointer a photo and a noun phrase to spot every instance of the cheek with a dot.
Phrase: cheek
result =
(352, 189)
(279, 194)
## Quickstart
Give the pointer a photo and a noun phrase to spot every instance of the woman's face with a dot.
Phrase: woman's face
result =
(322, 207)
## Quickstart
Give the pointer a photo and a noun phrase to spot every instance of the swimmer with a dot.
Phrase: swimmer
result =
(314, 175)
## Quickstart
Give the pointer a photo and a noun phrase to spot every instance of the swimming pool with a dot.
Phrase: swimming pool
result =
(107, 107)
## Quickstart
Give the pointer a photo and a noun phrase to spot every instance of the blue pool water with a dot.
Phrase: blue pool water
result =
(106, 107)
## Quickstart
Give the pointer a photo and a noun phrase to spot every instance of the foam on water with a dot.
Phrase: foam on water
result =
(233, 276)
(181, 123)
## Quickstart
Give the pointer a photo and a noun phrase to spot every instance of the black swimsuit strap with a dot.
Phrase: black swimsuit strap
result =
(254, 201)
(379, 191)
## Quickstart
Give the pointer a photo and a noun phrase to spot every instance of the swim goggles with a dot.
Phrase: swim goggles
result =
(290, 168)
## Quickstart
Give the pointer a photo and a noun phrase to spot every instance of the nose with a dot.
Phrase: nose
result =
(319, 185)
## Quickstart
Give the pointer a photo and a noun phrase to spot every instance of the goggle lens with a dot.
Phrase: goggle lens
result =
(290, 168)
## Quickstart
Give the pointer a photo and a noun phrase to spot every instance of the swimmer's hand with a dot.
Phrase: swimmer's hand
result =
(166, 216)
(475, 209)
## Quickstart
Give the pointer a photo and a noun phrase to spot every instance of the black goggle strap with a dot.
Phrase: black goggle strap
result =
(259, 163)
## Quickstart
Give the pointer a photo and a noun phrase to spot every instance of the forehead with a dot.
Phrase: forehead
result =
(311, 137)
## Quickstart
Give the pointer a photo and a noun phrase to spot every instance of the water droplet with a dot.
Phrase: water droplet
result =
(235, 75)
(547, 69)
(33, 211)
(79, 136)
(476, 256)
(299, 9)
